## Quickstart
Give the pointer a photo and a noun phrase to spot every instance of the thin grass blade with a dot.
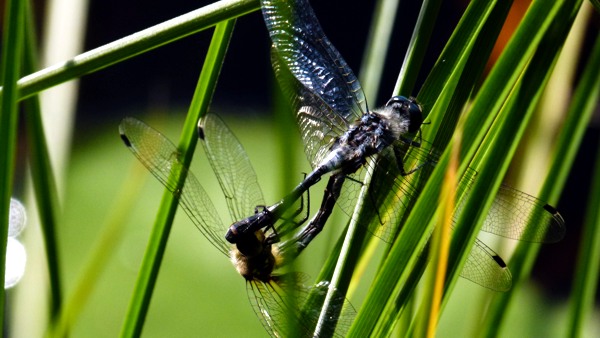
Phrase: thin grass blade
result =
(417, 47)
(44, 183)
(148, 274)
(378, 40)
(12, 46)
(135, 44)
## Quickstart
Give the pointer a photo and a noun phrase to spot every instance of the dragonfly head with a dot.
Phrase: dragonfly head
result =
(402, 116)
(408, 111)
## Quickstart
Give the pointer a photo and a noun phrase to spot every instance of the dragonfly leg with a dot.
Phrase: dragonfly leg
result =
(295, 246)
(260, 208)
(301, 207)
(291, 220)
(400, 158)
(411, 143)
(406, 173)
(308, 181)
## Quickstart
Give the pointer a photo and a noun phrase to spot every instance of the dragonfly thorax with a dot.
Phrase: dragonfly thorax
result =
(253, 258)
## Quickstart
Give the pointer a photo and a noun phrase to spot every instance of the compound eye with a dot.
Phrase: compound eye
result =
(416, 117)
(399, 100)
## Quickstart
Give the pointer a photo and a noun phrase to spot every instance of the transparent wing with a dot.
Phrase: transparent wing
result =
(319, 125)
(305, 50)
(509, 216)
(391, 196)
(513, 210)
(324, 92)
(486, 268)
(162, 159)
(286, 309)
(232, 167)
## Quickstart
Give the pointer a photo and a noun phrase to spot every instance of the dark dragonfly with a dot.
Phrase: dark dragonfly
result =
(349, 142)
(277, 298)
(339, 133)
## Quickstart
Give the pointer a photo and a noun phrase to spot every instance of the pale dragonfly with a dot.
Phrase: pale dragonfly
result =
(279, 299)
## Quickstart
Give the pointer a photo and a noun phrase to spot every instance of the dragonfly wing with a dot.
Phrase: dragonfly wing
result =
(287, 308)
(325, 94)
(486, 268)
(391, 195)
(162, 159)
(232, 167)
(513, 214)
(517, 215)
(305, 50)
(318, 123)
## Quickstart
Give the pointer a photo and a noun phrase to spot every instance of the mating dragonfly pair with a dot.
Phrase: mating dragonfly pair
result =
(339, 133)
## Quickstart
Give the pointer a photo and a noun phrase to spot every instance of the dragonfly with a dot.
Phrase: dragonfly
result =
(276, 298)
(340, 132)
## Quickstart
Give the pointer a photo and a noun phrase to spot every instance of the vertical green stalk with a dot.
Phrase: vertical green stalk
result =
(9, 70)
(140, 302)
(426, 325)
(417, 47)
(41, 170)
(286, 123)
(377, 46)
(477, 16)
